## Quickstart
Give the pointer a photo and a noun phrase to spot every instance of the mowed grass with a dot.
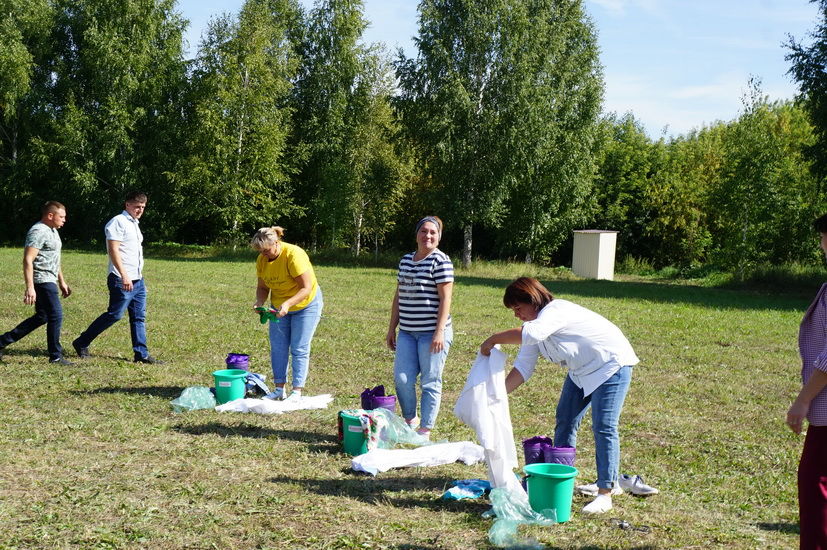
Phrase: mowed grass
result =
(94, 457)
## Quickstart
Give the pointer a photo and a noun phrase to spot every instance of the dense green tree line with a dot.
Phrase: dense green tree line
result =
(285, 116)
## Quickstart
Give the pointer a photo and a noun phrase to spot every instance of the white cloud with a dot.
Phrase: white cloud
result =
(619, 7)
(724, 85)
(615, 6)
(674, 111)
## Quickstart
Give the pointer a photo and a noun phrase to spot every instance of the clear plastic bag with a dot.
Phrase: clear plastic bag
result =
(192, 398)
(385, 430)
(512, 510)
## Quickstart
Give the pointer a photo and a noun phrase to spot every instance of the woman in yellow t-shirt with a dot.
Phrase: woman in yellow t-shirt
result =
(285, 275)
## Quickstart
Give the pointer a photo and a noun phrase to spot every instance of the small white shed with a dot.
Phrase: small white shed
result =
(594, 254)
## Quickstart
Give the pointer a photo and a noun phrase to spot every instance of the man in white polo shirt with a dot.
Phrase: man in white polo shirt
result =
(127, 291)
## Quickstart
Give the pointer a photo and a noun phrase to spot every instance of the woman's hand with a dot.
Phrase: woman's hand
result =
(390, 339)
(796, 415)
(282, 311)
(438, 342)
(487, 346)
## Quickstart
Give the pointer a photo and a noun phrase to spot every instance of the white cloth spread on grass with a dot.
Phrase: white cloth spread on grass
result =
(268, 406)
(382, 460)
(483, 405)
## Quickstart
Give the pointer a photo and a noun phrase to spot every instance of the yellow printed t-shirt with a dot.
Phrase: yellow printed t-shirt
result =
(279, 275)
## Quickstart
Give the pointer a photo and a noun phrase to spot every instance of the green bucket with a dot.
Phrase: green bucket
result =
(550, 487)
(230, 384)
(353, 436)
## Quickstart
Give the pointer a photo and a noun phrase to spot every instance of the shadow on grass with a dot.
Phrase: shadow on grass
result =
(395, 491)
(317, 440)
(785, 528)
(715, 298)
(166, 392)
(38, 353)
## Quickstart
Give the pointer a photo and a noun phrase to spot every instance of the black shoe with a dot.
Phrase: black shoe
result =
(61, 361)
(149, 360)
(83, 353)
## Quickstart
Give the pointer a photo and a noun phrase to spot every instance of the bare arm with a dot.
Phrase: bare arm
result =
(510, 336)
(798, 410)
(513, 381)
(65, 289)
(114, 250)
(305, 283)
(262, 293)
(446, 291)
(390, 339)
(29, 254)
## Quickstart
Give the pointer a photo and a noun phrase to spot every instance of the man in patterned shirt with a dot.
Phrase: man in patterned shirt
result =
(811, 404)
(43, 277)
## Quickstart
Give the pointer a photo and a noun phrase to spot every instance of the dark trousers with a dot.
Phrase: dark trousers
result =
(47, 311)
(812, 489)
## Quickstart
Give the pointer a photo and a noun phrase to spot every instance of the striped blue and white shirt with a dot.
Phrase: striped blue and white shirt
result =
(418, 295)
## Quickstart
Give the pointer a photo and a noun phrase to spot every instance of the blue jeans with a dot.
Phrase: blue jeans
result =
(120, 300)
(48, 311)
(290, 337)
(606, 403)
(413, 359)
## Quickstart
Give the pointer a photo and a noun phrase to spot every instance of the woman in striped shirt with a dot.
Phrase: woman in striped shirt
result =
(422, 311)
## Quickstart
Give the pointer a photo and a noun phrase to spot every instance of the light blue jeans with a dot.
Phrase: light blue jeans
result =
(606, 403)
(414, 359)
(290, 337)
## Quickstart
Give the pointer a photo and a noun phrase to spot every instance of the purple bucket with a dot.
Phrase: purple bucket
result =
(238, 361)
(367, 399)
(534, 448)
(385, 402)
(560, 455)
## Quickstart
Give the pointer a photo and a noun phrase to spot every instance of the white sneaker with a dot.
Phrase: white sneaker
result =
(413, 423)
(601, 504)
(294, 396)
(591, 489)
(636, 486)
(276, 395)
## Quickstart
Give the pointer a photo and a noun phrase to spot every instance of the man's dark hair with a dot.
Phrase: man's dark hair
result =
(820, 224)
(136, 196)
(51, 206)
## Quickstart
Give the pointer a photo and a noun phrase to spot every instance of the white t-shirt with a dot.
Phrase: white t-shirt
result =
(124, 228)
(590, 346)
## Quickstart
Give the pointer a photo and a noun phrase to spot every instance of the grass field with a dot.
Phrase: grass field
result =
(94, 457)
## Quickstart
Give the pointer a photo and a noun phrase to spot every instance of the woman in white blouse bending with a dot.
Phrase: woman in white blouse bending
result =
(599, 360)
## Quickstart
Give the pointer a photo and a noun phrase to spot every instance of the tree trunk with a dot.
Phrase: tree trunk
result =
(467, 240)
(357, 237)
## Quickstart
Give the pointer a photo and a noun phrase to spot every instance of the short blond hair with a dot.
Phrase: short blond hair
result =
(266, 237)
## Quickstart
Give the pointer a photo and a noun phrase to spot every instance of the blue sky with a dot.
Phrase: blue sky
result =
(675, 64)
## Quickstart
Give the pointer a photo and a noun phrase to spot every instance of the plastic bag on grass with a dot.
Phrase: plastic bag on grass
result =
(467, 488)
(512, 509)
(192, 398)
(385, 430)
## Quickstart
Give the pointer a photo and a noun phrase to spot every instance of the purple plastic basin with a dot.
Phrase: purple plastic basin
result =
(560, 455)
(238, 361)
(534, 448)
(384, 401)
